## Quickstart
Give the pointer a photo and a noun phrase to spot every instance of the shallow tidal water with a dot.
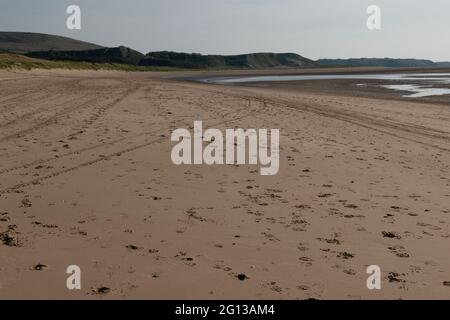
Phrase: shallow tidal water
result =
(416, 84)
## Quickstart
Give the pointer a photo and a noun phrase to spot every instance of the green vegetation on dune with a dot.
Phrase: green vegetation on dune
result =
(17, 61)
(34, 50)
(178, 60)
(49, 51)
(122, 55)
(243, 61)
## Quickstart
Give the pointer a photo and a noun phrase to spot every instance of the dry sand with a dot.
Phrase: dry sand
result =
(86, 178)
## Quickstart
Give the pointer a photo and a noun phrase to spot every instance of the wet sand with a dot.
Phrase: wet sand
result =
(86, 179)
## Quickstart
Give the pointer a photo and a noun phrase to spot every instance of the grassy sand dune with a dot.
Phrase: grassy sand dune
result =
(18, 61)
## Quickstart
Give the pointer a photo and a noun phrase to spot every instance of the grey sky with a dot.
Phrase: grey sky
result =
(312, 28)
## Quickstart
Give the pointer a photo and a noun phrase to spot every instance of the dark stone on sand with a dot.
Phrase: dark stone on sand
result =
(133, 247)
(242, 276)
(39, 267)
(103, 290)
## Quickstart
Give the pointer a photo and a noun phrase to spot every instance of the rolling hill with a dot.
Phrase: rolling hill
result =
(243, 61)
(377, 62)
(443, 64)
(121, 54)
(58, 48)
(23, 42)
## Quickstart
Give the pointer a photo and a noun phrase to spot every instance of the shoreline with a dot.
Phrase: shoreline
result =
(343, 87)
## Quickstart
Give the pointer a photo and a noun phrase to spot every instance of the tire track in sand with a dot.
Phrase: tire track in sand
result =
(163, 138)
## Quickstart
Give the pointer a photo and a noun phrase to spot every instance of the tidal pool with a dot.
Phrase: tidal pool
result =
(419, 84)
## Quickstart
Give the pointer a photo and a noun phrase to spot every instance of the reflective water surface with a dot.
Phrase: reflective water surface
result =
(418, 84)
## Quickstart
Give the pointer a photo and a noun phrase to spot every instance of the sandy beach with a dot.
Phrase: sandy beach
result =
(86, 179)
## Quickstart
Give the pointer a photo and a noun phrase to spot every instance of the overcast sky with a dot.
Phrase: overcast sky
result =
(312, 28)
